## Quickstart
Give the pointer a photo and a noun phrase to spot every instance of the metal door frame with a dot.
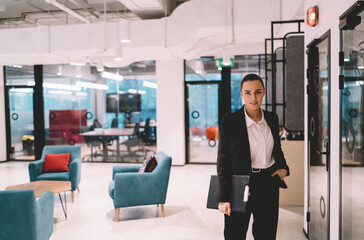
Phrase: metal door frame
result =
(315, 42)
(38, 112)
(354, 10)
(7, 118)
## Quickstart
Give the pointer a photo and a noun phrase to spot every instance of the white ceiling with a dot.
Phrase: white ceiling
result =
(36, 32)
(31, 13)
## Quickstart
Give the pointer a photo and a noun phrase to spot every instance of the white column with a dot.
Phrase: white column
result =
(100, 105)
(335, 158)
(170, 109)
(2, 117)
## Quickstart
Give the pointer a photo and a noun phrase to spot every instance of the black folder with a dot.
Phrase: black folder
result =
(239, 193)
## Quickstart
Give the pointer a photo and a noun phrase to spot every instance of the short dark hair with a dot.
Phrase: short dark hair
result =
(251, 77)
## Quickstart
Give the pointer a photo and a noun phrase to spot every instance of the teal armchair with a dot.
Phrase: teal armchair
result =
(23, 217)
(73, 175)
(130, 188)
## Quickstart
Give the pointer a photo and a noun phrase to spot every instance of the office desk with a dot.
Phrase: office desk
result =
(107, 133)
(142, 124)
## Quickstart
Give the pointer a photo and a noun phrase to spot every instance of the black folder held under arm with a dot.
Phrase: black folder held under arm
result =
(239, 193)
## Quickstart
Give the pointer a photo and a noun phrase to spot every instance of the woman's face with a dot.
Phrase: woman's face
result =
(252, 93)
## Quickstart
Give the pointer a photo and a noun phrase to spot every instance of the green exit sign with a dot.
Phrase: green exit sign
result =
(220, 63)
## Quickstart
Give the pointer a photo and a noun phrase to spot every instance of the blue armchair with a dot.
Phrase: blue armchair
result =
(130, 188)
(23, 217)
(74, 174)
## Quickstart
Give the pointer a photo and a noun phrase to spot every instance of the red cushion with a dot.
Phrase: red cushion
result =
(56, 162)
(149, 164)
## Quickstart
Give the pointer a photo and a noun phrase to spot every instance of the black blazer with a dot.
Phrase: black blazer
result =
(234, 150)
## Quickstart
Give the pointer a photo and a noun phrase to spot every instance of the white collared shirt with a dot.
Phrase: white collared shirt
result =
(261, 142)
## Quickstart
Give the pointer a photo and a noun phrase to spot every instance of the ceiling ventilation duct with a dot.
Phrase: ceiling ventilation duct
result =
(146, 9)
(68, 10)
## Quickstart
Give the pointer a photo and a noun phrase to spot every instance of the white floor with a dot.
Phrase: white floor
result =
(91, 216)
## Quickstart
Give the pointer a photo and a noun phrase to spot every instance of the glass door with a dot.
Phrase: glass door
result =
(352, 101)
(21, 123)
(203, 117)
(319, 129)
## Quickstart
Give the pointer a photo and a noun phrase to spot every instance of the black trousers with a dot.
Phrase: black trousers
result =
(263, 203)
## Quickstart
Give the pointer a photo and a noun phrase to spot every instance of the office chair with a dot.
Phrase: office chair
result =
(24, 217)
(146, 134)
(96, 124)
(92, 142)
(73, 175)
(129, 188)
(135, 141)
(114, 124)
(110, 140)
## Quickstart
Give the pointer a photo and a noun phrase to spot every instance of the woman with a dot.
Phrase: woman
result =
(250, 145)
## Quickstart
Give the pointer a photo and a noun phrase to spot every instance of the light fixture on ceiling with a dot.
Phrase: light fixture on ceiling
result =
(78, 64)
(124, 30)
(360, 58)
(113, 76)
(21, 90)
(81, 94)
(60, 92)
(312, 17)
(118, 52)
(92, 85)
(17, 66)
(132, 90)
(199, 67)
(68, 10)
(59, 73)
(57, 86)
(227, 58)
(78, 72)
(150, 84)
(360, 61)
(61, 86)
(100, 65)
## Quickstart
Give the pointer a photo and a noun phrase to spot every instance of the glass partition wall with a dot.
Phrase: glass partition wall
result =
(76, 104)
(203, 81)
(202, 92)
(134, 100)
(20, 112)
(352, 101)
(67, 109)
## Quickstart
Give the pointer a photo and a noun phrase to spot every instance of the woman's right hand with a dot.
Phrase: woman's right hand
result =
(225, 207)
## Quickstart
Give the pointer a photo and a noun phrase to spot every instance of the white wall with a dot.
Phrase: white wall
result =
(329, 12)
(170, 109)
(2, 117)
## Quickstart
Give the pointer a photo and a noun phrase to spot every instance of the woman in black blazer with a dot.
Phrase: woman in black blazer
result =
(250, 145)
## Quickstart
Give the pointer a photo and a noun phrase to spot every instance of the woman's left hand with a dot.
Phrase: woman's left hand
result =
(281, 173)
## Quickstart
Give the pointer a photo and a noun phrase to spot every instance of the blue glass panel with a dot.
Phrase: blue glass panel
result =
(148, 99)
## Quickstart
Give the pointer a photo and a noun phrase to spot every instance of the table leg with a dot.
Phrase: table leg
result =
(105, 150)
(118, 149)
(65, 204)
